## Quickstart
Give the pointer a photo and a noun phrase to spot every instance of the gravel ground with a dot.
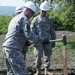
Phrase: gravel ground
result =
(56, 58)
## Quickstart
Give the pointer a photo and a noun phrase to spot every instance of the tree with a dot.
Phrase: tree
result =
(39, 1)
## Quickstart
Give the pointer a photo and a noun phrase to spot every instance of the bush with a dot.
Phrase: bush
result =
(64, 19)
(68, 19)
(57, 22)
(4, 21)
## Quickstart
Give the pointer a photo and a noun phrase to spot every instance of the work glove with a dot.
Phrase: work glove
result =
(46, 41)
(27, 43)
(53, 44)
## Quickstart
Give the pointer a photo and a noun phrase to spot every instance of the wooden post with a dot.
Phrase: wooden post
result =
(64, 60)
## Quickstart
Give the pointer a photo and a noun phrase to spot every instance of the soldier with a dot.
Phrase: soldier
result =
(42, 25)
(24, 51)
(18, 32)
(18, 10)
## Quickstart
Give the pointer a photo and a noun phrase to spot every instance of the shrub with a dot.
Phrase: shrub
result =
(4, 21)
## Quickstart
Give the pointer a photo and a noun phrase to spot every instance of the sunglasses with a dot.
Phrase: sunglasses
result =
(32, 12)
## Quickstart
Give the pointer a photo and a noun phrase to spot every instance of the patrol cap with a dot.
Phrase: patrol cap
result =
(30, 5)
(19, 9)
(44, 6)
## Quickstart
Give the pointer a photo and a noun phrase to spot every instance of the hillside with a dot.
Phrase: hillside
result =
(7, 10)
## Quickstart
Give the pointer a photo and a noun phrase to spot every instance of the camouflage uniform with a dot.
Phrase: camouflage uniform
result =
(42, 26)
(18, 32)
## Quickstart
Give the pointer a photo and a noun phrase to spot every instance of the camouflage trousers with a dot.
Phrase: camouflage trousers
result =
(24, 51)
(15, 62)
(39, 50)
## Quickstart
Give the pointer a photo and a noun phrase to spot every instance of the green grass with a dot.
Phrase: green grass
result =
(31, 48)
(71, 42)
(70, 47)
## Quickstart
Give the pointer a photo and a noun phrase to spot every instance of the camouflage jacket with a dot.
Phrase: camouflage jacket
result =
(43, 26)
(18, 32)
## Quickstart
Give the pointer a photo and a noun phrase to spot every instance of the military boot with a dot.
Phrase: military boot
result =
(38, 72)
(46, 72)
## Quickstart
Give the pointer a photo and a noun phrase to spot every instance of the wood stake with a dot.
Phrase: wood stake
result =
(64, 60)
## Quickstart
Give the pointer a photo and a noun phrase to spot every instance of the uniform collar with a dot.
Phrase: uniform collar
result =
(22, 14)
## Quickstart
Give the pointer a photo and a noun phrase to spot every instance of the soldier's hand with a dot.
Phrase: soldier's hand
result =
(27, 43)
(46, 41)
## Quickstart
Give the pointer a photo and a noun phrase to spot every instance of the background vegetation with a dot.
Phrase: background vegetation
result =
(62, 13)
(4, 21)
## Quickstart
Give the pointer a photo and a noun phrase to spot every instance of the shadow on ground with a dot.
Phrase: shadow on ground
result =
(33, 70)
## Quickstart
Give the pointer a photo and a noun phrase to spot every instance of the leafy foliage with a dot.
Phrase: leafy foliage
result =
(67, 18)
(64, 18)
(4, 21)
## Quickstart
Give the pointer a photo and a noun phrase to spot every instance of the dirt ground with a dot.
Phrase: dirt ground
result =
(56, 58)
